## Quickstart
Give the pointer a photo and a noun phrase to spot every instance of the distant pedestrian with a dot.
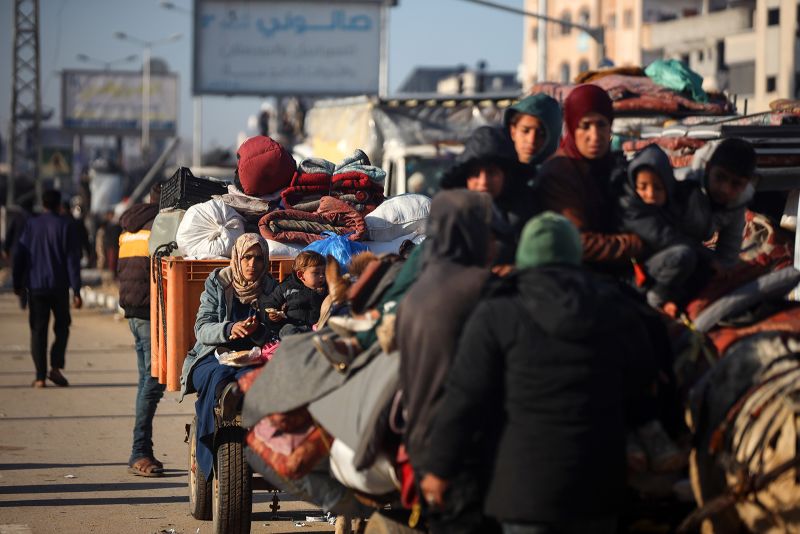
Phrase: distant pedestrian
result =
(133, 272)
(46, 266)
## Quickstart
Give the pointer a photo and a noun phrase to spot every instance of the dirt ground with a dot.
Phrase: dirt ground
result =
(64, 451)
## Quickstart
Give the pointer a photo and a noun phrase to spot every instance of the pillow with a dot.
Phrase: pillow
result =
(398, 216)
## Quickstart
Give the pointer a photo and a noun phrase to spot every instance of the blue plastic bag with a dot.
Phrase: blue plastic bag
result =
(338, 246)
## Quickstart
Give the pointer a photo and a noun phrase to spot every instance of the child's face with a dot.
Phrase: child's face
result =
(724, 186)
(650, 188)
(313, 278)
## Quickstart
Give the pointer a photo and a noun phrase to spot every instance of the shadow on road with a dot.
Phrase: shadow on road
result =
(19, 467)
(79, 417)
(81, 488)
(72, 386)
(95, 501)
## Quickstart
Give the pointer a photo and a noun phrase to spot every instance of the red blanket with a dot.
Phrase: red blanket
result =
(295, 226)
(305, 184)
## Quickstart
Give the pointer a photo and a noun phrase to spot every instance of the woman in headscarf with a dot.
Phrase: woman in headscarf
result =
(455, 266)
(576, 182)
(231, 315)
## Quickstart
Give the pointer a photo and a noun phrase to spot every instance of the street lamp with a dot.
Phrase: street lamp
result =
(106, 64)
(148, 47)
(174, 7)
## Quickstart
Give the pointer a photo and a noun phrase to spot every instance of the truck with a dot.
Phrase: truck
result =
(414, 138)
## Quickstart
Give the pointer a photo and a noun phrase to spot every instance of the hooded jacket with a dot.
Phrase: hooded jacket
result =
(556, 353)
(515, 204)
(702, 217)
(657, 226)
(433, 312)
(302, 303)
(133, 267)
(548, 111)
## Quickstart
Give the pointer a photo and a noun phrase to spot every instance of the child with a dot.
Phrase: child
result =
(649, 210)
(294, 305)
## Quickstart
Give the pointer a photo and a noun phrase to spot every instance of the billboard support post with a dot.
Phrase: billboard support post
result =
(146, 102)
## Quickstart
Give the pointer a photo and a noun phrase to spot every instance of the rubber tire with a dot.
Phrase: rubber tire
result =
(232, 492)
(200, 486)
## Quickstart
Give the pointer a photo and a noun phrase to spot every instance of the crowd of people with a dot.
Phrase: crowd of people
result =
(530, 324)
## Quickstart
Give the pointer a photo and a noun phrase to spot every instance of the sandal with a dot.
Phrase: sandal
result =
(145, 467)
(39, 384)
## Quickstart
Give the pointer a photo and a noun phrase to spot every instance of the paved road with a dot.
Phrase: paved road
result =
(64, 451)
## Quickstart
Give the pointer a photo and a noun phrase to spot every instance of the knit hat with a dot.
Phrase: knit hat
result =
(549, 238)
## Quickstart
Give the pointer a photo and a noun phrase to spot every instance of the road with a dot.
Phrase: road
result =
(64, 451)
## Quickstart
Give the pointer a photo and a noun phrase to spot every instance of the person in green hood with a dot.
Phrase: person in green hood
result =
(534, 126)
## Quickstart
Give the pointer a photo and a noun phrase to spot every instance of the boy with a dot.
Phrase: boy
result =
(294, 305)
(648, 209)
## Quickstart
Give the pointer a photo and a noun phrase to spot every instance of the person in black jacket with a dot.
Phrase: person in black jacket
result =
(556, 353)
(489, 164)
(295, 304)
(650, 207)
(133, 273)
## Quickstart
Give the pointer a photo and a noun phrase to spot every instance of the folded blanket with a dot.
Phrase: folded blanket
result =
(296, 226)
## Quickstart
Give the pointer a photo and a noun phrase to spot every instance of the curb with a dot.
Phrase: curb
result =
(97, 299)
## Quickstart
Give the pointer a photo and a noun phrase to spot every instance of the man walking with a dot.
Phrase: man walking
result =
(46, 265)
(133, 270)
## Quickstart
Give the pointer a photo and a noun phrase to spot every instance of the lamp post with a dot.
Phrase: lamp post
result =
(106, 64)
(197, 100)
(147, 49)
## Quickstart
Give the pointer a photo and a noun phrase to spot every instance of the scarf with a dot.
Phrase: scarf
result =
(247, 291)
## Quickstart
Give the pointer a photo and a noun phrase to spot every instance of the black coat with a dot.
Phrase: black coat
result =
(659, 227)
(302, 304)
(556, 355)
(133, 267)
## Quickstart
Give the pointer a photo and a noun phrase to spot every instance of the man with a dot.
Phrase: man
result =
(559, 357)
(534, 126)
(46, 265)
(134, 297)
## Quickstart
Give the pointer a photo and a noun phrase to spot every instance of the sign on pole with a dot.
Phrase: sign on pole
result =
(271, 47)
(110, 102)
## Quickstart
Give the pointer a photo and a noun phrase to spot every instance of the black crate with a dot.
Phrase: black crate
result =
(184, 189)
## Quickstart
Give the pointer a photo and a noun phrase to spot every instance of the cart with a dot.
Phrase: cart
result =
(225, 497)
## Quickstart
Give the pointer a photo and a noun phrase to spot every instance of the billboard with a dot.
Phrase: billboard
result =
(110, 102)
(271, 47)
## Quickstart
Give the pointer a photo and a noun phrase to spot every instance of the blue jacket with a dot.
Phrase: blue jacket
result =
(48, 255)
(214, 318)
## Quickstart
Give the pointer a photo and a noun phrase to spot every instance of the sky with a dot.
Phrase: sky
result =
(421, 33)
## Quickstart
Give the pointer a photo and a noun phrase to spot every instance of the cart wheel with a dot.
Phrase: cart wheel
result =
(199, 484)
(233, 495)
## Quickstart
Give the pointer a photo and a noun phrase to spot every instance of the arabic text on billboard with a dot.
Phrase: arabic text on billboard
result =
(108, 101)
(286, 47)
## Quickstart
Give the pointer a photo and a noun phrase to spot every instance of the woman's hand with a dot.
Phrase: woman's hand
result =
(242, 329)
(433, 489)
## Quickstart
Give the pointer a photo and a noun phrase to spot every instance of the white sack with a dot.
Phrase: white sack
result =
(398, 216)
(393, 246)
(283, 250)
(377, 480)
(209, 230)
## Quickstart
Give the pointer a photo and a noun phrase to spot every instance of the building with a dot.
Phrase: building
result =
(749, 48)
(458, 80)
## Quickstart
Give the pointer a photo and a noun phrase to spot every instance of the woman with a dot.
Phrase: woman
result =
(576, 182)
(231, 315)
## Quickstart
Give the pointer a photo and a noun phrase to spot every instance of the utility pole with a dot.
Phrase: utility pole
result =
(24, 142)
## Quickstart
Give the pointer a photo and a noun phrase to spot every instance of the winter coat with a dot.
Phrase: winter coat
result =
(516, 204)
(48, 255)
(657, 226)
(215, 317)
(567, 186)
(702, 218)
(554, 354)
(433, 312)
(133, 267)
(302, 303)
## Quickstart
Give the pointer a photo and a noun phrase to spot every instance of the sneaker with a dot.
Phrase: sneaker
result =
(662, 453)
(636, 457)
(57, 378)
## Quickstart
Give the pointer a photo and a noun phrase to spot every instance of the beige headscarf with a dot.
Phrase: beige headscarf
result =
(247, 291)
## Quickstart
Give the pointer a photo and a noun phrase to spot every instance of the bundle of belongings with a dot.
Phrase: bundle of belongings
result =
(294, 205)
(644, 91)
